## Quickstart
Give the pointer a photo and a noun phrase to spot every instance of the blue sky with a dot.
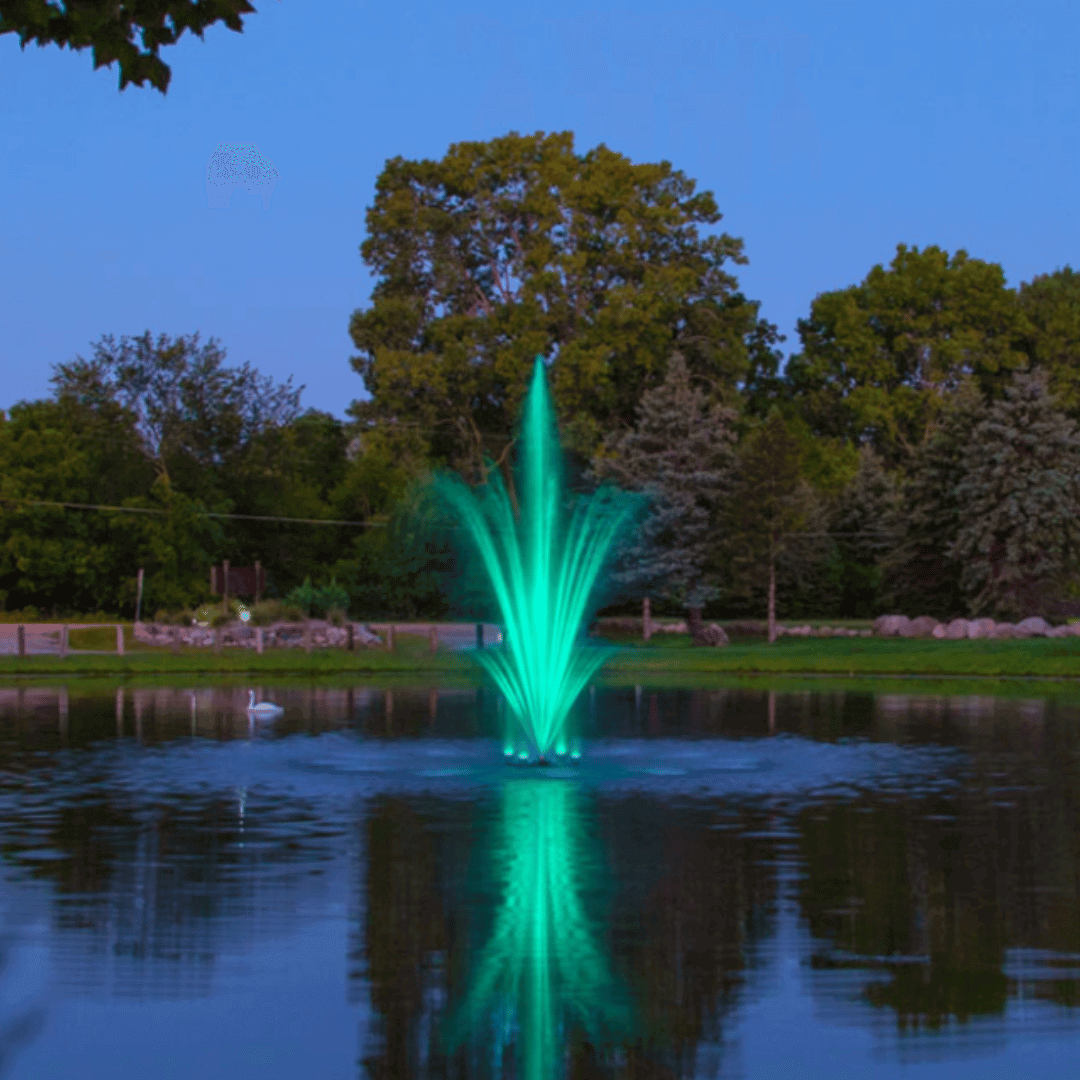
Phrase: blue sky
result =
(829, 132)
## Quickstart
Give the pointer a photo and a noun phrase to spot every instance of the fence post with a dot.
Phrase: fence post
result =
(20, 639)
(479, 635)
(119, 639)
(258, 581)
(138, 597)
(350, 641)
(63, 639)
(390, 637)
(307, 635)
(433, 636)
(259, 640)
(225, 585)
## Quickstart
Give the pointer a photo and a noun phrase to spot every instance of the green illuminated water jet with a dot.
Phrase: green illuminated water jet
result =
(543, 564)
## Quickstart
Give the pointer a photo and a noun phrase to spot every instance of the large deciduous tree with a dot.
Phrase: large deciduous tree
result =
(129, 31)
(521, 245)
(879, 358)
(1051, 304)
(680, 454)
(1019, 535)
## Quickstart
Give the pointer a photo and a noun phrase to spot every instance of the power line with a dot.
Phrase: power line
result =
(204, 513)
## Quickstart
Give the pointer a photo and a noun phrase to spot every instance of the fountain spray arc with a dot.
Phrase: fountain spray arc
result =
(542, 565)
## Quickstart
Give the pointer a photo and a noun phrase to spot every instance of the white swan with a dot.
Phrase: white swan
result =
(264, 710)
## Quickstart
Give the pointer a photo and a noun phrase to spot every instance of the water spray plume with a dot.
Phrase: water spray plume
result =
(543, 564)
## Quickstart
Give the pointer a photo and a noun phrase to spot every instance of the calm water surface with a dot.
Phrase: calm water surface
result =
(733, 883)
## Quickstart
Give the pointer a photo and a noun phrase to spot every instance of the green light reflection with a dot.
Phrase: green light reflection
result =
(542, 971)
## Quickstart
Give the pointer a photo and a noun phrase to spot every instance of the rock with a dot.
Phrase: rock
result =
(957, 630)
(866, 633)
(980, 628)
(1003, 630)
(921, 627)
(938, 631)
(824, 631)
(1058, 631)
(1034, 626)
(714, 635)
(890, 625)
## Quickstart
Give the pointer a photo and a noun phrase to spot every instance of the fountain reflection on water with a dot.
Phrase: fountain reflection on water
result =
(543, 566)
(543, 969)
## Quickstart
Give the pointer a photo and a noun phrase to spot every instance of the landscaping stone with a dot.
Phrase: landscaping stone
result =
(239, 635)
(1034, 626)
(921, 627)
(981, 628)
(715, 635)
(956, 630)
(890, 625)
(1004, 630)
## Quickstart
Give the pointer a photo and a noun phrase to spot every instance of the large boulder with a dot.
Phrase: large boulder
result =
(1034, 626)
(978, 628)
(890, 625)
(715, 635)
(1004, 630)
(923, 626)
(956, 630)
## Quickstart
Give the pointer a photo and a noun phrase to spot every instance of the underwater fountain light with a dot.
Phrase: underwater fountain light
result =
(543, 564)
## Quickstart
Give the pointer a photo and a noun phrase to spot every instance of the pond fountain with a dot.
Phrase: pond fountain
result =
(543, 565)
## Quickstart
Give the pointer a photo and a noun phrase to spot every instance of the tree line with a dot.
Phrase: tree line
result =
(918, 452)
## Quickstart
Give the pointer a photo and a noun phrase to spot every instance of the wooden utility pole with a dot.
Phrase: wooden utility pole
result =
(138, 596)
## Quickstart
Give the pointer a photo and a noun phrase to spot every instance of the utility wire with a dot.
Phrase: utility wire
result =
(204, 513)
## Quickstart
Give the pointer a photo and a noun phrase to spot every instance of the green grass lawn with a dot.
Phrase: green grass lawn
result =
(1042, 657)
(673, 657)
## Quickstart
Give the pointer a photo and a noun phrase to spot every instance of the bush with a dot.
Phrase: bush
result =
(266, 612)
(318, 600)
(337, 616)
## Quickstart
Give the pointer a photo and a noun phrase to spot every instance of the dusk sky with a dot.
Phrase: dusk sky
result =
(828, 132)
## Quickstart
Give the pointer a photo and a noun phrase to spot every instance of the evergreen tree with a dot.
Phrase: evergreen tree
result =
(775, 517)
(680, 453)
(862, 523)
(1019, 537)
(922, 574)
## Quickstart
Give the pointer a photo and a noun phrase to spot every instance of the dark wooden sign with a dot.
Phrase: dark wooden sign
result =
(226, 580)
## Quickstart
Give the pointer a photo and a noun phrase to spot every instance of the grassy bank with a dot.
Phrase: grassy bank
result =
(842, 657)
(1039, 657)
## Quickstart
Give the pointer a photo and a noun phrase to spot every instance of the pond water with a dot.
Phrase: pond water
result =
(733, 882)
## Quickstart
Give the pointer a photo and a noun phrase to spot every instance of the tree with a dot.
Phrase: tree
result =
(680, 454)
(197, 419)
(518, 246)
(921, 573)
(772, 509)
(880, 358)
(863, 523)
(1051, 305)
(1019, 537)
(68, 558)
(110, 28)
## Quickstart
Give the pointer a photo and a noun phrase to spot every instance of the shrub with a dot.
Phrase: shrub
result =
(318, 600)
(266, 612)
